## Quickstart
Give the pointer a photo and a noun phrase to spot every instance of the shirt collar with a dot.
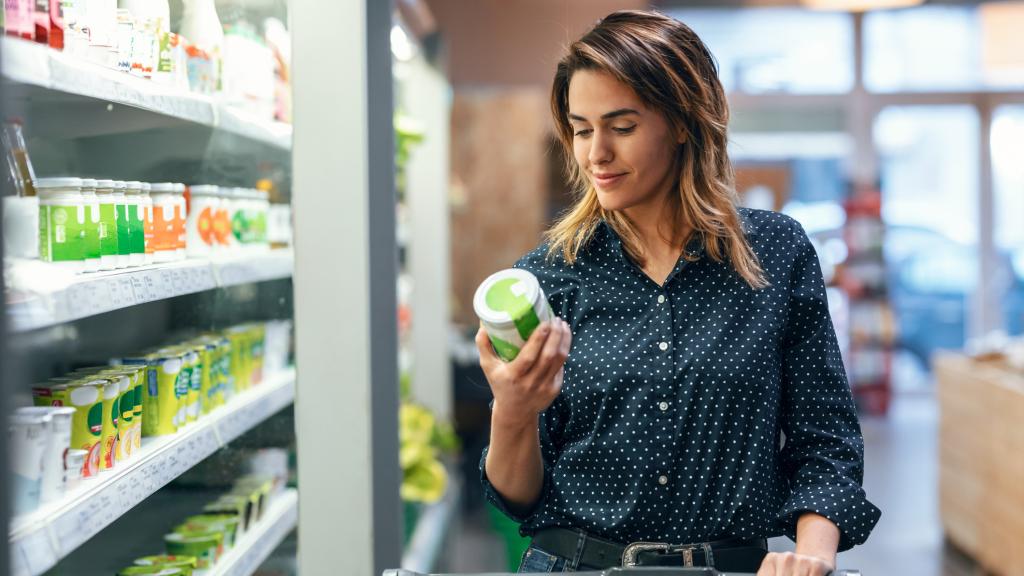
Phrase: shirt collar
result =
(694, 248)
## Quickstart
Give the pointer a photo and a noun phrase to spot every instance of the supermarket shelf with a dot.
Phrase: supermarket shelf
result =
(33, 64)
(258, 543)
(38, 297)
(428, 539)
(39, 540)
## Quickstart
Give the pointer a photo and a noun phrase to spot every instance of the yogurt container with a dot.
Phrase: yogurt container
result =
(92, 225)
(107, 228)
(62, 222)
(86, 397)
(187, 563)
(136, 221)
(29, 434)
(226, 524)
(180, 217)
(511, 304)
(159, 403)
(58, 442)
(111, 417)
(148, 225)
(199, 227)
(165, 214)
(157, 570)
(124, 233)
(74, 463)
(206, 547)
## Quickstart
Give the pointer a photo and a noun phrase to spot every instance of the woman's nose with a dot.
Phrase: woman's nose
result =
(600, 149)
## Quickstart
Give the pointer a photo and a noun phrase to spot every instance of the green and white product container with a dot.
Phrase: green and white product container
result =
(159, 398)
(511, 304)
(124, 236)
(156, 571)
(92, 225)
(206, 547)
(111, 418)
(107, 228)
(58, 442)
(28, 437)
(136, 222)
(226, 524)
(62, 218)
(187, 563)
(146, 201)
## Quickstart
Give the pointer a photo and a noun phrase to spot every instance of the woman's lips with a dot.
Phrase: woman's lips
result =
(608, 180)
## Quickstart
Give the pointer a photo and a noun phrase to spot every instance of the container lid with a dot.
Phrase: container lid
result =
(145, 186)
(179, 187)
(23, 417)
(506, 297)
(133, 184)
(120, 185)
(205, 190)
(88, 182)
(64, 182)
(162, 187)
(104, 183)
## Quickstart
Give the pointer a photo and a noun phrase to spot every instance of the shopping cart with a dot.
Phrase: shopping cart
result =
(646, 571)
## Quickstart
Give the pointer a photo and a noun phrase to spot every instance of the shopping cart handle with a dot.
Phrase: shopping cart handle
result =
(627, 571)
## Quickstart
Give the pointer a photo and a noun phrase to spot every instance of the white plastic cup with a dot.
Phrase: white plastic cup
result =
(21, 226)
(29, 434)
(58, 442)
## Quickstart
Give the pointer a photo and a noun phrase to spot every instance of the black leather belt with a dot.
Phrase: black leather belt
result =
(729, 555)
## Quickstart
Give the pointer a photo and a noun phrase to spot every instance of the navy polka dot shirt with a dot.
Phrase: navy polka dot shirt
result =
(700, 409)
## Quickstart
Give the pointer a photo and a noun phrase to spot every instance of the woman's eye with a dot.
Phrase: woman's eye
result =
(584, 132)
(625, 130)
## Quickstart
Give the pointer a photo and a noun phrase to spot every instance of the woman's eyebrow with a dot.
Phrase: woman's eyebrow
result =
(607, 115)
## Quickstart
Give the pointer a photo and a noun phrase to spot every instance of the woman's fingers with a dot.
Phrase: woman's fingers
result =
(530, 352)
(487, 355)
(555, 353)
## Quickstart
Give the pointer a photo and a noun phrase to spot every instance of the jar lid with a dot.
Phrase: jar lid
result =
(163, 187)
(179, 187)
(104, 183)
(121, 185)
(145, 186)
(88, 182)
(205, 190)
(64, 182)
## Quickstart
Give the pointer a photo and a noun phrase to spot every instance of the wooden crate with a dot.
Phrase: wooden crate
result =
(981, 460)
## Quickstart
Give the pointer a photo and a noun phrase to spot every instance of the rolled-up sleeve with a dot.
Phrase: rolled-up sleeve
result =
(823, 454)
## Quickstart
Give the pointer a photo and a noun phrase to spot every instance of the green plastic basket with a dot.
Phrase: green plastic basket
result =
(508, 529)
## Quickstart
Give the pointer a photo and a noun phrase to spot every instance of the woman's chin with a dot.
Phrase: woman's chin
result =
(611, 202)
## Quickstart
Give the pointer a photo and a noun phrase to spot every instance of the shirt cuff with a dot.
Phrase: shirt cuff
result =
(498, 501)
(846, 507)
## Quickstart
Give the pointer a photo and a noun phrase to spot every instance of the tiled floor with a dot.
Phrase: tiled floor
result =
(900, 477)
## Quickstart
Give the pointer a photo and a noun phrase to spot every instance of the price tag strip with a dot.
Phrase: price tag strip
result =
(100, 292)
(40, 539)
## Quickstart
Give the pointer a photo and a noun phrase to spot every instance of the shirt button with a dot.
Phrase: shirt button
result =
(663, 346)
(662, 480)
(661, 298)
(663, 406)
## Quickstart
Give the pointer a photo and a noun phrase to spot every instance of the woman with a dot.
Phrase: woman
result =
(691, 400)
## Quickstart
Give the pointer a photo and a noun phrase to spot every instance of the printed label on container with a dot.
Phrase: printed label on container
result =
(124, 242)
(137, 228)
(108, 230)
(62, 233)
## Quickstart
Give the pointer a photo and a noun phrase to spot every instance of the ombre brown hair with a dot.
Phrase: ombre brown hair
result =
(672, 72)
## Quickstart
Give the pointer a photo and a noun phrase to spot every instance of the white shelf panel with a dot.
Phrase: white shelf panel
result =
(37, 65)
(40, 539)
(257, 544)
(39, 298)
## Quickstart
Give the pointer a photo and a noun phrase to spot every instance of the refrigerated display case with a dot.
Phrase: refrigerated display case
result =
(75, 114)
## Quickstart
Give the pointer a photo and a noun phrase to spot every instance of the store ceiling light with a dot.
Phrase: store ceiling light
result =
(858, 5)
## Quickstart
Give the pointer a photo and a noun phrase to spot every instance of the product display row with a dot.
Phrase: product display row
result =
(135, 37)
(200, 541)
(87, 225)
(93, 419)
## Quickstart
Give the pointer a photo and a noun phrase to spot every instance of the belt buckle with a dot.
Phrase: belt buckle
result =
(633, 550)
(686, 550)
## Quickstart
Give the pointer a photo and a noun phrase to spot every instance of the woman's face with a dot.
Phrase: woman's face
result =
(625, 148)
